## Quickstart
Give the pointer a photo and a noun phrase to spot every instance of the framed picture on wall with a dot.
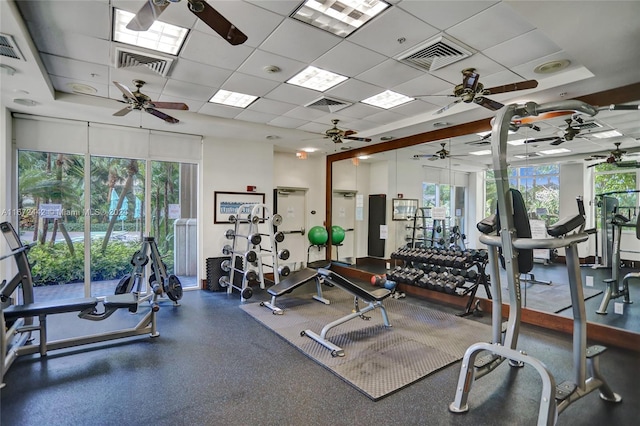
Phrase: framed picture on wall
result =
(404, 208)
(226, 204)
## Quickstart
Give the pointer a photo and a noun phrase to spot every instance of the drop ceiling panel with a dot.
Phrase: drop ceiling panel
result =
(492, 26)
(358, 111)
(354, 90)
(218, 110)
(384, 117)
(249, 84)
(197, 73)
(188, 90)
(154, 81)
(381, 34)
(281, 7)
(293, 94)
(62, 84)
(302, 113)
(259, 59)
(349, 59)
(299, 41)
(482, 64)
(213, 50)
(526, 70)
(425, 84)
(64, 15)
(271, 106)
(288, 122)
(255, 116)
(71, 68)
(389, 73)
(524, 48)
(444, 14)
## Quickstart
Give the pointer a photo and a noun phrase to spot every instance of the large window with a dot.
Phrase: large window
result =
(539, 185)
(622, 183)
(448, 197)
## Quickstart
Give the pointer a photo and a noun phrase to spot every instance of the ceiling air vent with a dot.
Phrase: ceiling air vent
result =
(435, 54)
(328, 104)
(9, 48)
(126, 58)
(587, 125)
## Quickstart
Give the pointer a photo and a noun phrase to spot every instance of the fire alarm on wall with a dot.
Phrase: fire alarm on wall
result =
(400, 195)
(251, 188)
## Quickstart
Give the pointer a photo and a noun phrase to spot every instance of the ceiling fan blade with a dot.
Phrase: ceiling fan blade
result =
(125, 91)
(170, 105)
(557, 142)
(523, 85)
(217, 22)
(123, 112)
(146, 16)
(354, 138)
(444, 108)
(488, 103)
(162, 115)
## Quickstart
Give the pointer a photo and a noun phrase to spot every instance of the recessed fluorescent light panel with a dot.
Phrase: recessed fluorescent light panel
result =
(606, 134)
(482, 152)
(161, 37)
(387, 99)
(516, 142)
(316, 79)
(235, 99)
(341, 17)
(555, 151)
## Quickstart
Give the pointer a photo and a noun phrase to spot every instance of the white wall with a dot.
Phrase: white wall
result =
(229, 166)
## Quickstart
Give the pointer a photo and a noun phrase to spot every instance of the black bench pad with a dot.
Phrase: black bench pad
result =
(565, 225)
(292, 281)
(116, 301)
(48, 308)
(370, 296)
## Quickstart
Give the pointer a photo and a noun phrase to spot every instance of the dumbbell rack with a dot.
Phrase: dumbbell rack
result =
(453, 272)
(246, 228)
(420, 223)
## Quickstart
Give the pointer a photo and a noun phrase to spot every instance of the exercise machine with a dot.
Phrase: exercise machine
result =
(373, 299)
(18, 311)
(161, 282)
(614, 290)
(567, 233)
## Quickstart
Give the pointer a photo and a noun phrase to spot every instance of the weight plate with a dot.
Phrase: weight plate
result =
(174, 288)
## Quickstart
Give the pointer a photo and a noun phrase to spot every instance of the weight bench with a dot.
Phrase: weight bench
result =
(289, 284)
(87, 308)
(373, 298)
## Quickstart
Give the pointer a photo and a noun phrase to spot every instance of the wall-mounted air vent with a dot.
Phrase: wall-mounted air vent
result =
(127, 58)
(435, 54)
(9, 48)
(328, 104)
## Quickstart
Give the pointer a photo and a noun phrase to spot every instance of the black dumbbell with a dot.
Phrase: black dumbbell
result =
(250, 255)
(255, 239)
(249, 275)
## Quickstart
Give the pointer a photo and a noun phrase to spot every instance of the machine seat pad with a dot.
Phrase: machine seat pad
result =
(488, 224)
(369, 296)
(50, 307)
(293, 281)
(117, 301)
(565, 225)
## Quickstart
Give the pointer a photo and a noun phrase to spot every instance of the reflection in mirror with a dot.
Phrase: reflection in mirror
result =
(343, 216)
(550, 181)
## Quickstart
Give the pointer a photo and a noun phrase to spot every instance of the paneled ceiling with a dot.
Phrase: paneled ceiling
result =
(65, 43)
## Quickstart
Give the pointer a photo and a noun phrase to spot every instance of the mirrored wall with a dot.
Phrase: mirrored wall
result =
(461, 183)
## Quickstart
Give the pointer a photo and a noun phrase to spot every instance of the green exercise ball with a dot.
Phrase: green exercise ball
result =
(337, 235)
(318, 236)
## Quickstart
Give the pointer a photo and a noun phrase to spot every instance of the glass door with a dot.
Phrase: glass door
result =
(117, 220)
(50, 215)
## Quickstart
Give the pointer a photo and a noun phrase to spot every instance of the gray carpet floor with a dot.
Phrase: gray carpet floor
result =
(215, 365)
(378, 360)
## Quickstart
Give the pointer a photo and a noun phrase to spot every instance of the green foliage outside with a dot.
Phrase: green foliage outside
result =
(52, 264)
